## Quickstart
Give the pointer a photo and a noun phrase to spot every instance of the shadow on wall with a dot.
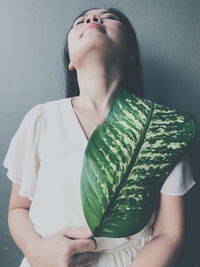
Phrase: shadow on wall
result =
(167, 84)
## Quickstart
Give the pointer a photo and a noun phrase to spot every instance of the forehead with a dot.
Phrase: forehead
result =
(97, 11)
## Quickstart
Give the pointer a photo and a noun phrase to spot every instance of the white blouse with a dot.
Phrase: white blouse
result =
(45, 157)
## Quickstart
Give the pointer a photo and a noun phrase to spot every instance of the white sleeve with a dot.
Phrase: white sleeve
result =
(22, 159)
(180, 180)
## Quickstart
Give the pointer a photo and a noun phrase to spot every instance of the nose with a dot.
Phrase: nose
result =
(92, 18)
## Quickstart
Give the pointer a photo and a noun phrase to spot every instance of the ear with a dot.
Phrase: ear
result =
(70, 66)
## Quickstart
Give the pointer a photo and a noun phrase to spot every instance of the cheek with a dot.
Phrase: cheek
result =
(72, 41)
(123, 37)
(118, 32)
(120, 37)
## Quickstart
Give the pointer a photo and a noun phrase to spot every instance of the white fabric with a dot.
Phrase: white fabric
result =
(180, 180)
(45, 157)
(22, 158)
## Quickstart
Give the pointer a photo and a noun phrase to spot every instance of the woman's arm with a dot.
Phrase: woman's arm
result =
(20, 226)
(166, 245)
(57, 250)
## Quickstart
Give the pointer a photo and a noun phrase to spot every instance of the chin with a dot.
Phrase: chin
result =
(95, 41)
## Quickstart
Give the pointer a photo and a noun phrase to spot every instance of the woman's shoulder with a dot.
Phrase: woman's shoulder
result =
(44, 110)
(55, 108)
(47, 108)
(53, 103)
(166, 115)
(164, 109)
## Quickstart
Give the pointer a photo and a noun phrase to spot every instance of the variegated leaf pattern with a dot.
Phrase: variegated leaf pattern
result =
(126, 161)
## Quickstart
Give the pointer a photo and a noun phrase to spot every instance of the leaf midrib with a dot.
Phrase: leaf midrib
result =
(126, 174)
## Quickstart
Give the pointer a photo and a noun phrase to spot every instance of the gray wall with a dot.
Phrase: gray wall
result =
(31, 42)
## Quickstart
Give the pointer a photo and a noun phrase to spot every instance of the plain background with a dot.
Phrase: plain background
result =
(32, 37)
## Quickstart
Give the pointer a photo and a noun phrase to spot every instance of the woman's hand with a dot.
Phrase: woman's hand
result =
(69, 247)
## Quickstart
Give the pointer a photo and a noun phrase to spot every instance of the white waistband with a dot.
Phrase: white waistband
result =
(107, 243)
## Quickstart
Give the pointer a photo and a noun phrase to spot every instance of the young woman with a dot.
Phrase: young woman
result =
(45, 156)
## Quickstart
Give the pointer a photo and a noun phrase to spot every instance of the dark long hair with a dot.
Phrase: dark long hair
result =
(132, 80)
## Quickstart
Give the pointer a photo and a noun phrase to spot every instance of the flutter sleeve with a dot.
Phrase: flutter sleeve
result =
(180, 180)
(22, 160)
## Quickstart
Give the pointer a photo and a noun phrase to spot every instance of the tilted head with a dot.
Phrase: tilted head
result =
(110, 31)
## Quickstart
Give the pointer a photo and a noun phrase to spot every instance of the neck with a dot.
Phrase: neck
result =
(98, 80)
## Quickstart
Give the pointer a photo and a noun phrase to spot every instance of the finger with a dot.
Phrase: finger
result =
(95, 242)
(76, 232)
(82, 245)
(84, 259)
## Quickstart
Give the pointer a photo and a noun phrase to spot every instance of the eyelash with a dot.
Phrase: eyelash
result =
(110, 16)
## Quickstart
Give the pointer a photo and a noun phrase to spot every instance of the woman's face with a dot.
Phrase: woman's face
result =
(109, 37)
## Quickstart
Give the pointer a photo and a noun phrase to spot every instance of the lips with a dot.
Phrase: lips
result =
(93, 25)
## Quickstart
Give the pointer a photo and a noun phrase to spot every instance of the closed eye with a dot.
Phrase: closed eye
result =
(79, 22)
(107, 17)
(110, 17)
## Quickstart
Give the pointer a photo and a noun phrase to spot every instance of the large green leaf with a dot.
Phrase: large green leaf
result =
(126, 161)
